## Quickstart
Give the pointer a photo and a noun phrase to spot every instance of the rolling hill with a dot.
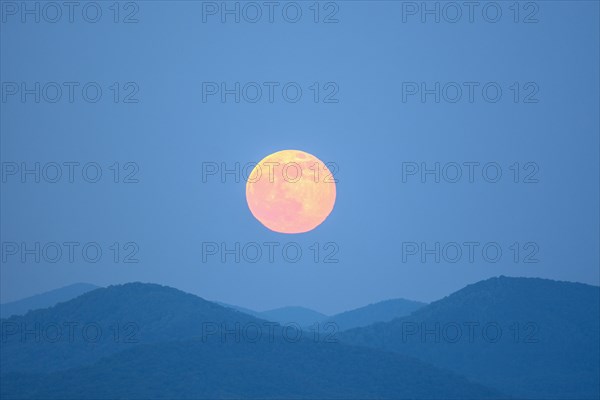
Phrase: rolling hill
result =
(196, 370)
(172, 354)
(105, 321)
(527, 337)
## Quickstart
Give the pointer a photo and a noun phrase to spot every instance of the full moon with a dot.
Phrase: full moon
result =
(290, 191)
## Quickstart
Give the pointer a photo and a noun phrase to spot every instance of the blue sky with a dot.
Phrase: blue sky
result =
(546, 121)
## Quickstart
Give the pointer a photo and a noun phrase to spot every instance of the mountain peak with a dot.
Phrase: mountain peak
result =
(530, 337)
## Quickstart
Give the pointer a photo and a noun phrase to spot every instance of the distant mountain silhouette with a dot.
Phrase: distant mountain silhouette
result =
(527, 337)
(379, 312)
(293, 315)
(173, 357)
(241, 309)
(306, 318)
(45, 300)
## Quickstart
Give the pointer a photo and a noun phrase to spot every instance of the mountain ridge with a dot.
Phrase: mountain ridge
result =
(176, 358)
(528, 337)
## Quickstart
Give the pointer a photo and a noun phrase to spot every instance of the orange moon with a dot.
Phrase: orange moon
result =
(290, 191)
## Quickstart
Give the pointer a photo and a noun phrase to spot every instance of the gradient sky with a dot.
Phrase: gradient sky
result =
(369, 133)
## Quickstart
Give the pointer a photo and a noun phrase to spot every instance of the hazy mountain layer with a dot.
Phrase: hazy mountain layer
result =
(45, 300)
(379, 312)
